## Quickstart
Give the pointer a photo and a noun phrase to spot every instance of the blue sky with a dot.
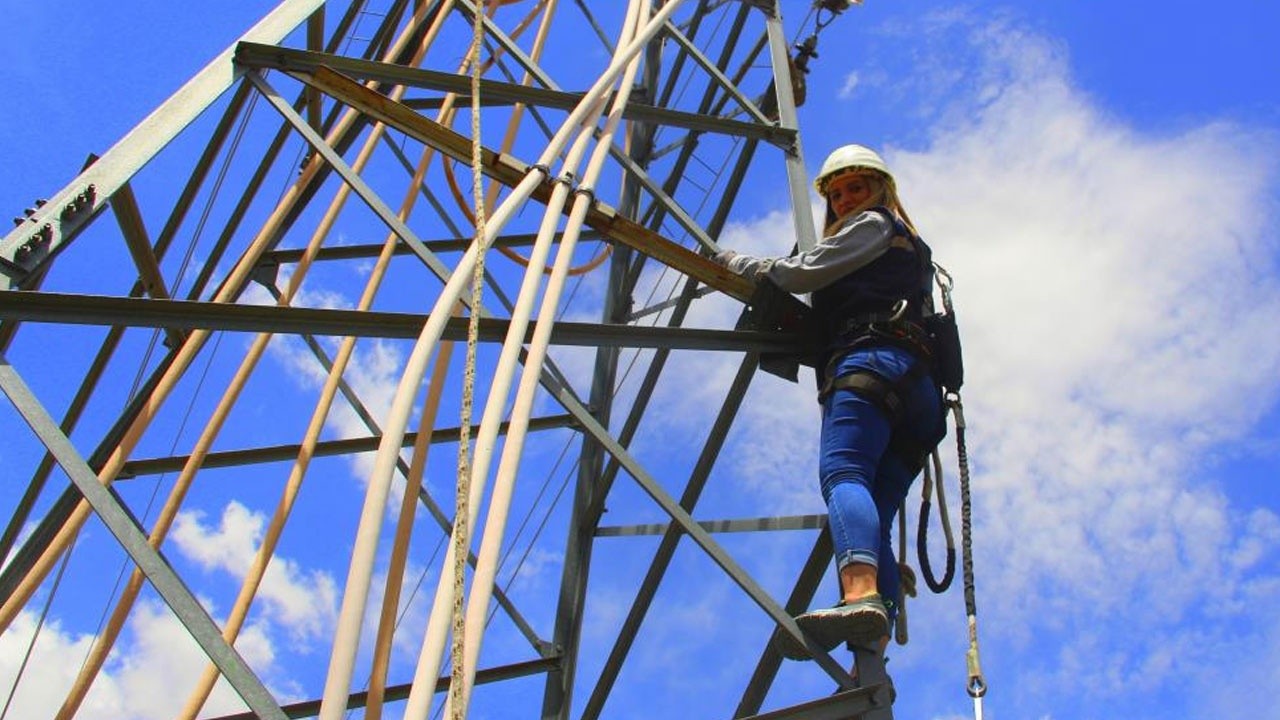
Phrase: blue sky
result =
(1101, 179)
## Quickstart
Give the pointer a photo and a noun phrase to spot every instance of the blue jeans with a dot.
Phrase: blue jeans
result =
(863, 480)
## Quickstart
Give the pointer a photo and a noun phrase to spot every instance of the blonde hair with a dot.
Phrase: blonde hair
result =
(884, 193)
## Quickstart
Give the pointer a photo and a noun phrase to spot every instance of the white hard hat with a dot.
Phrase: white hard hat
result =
(850, 157)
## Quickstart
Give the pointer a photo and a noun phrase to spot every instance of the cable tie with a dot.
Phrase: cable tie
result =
(586, 190)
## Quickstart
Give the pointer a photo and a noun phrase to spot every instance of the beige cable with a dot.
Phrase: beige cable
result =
(195, 460)
(183, 358)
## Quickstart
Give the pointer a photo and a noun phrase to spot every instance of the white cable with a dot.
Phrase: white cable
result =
(355, 595)
(500, 503)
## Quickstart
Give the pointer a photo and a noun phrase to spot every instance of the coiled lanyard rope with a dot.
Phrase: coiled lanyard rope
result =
(975, 685)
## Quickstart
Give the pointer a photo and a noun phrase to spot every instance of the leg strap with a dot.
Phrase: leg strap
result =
(888, 396)
(874, 388)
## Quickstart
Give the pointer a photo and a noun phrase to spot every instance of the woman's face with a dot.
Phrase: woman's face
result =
(848, 191)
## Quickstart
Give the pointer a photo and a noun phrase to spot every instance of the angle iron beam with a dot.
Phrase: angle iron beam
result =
(665, 200)
(230, 228)
(200, 172)
(51, 227)
(493, 92)
(315, 43)
(800, 599)
(70, 419)
(373, 250)
(424, 189)
(763, 524)
(311, 708)
(843, 705)
(125, 207)
(285, 453)
(38, 539)
(125, 528)
(340, 143)
(601, 216)
(186, 314)
(591, 473)
(720, 78)
(648, 588)
(710, 99)
(689, 526)
(591, 20)
(385, 28)
(797, 175)
(688, 293)
(353, 179)
(666, 304)
(88, 386)
(509, 46)
(509, 171)
(334, 160)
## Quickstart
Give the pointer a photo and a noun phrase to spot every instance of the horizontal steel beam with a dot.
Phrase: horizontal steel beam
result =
(843, 705)
(511, 171)
(284, 453)
(794, 522)
(395, 693)
(275, 57)
(373, 250)
(186, 314)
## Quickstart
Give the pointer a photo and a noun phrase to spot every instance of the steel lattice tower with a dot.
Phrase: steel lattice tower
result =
(209, 234)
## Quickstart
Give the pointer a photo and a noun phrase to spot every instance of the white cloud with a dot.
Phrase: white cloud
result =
(302, 601)
(538, 570)
(850, 84)
(152, 671)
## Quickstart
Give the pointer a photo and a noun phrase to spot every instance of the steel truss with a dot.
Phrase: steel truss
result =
(716, 81)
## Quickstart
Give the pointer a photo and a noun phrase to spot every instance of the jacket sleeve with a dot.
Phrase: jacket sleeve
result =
(860, 240)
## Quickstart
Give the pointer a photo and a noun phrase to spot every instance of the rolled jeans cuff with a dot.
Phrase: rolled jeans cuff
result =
(864, 557)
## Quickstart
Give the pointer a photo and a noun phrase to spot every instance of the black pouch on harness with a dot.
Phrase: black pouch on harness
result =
(944, 335)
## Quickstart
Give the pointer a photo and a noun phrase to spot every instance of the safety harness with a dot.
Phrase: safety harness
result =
(934, 338)
(907, 324)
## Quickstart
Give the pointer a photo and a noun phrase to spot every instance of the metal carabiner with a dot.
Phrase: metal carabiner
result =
(899, 309)
(945, 283)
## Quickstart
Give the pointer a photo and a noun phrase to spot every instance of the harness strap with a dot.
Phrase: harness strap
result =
(873, 387)
(889, 397)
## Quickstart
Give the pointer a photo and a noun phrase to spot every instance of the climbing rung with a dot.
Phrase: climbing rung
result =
(863, 702)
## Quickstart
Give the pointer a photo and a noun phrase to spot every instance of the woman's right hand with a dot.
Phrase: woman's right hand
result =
(723, 257)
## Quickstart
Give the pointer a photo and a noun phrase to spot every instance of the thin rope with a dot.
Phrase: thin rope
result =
(126, 563)
(185, 265)
(31, 646)
(510, 254)
(901, 633)
(515, 572)
(457, 695)
(922, 530)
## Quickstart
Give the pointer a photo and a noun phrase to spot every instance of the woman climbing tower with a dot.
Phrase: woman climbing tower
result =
(871, 278)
